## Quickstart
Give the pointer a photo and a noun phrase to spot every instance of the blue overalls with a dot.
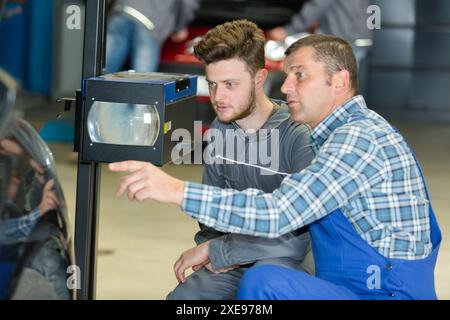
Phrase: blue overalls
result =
(347, 267)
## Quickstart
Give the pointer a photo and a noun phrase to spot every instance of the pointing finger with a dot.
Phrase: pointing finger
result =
(127, 166)
(127, 182)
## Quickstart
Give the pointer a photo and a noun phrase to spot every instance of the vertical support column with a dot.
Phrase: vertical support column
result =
(88, 175)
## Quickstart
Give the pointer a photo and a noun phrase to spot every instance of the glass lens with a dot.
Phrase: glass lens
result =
(123, 123)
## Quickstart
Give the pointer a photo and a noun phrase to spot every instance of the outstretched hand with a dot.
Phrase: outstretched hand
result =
(145, 181)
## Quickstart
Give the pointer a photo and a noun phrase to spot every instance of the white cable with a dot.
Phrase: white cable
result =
(139, 17)
(251, 165)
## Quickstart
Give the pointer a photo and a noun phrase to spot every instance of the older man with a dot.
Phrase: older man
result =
(364, 198)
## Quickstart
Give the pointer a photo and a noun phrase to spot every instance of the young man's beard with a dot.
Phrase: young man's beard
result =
(250, 107)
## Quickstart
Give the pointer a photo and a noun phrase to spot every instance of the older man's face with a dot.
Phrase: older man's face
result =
(308, 89)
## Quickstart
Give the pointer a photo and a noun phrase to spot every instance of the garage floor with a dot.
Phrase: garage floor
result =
(139, 243)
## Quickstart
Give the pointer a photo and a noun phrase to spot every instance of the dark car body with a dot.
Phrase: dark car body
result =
(35, 252)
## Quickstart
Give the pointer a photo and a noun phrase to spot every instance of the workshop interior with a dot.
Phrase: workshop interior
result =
(64, 116)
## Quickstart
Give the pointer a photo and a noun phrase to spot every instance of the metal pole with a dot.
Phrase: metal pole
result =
(88, 175)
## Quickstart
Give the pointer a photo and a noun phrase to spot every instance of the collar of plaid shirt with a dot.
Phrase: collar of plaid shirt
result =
(356, 106)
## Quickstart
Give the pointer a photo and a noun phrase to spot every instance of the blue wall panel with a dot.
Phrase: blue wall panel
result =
(40, 46)
(26, 43)
(13, 44)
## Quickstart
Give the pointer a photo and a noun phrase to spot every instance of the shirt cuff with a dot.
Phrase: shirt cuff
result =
(189, 204)
(216, 256)
(196, 199)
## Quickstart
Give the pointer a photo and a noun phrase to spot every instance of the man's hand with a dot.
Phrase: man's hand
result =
(49, 199)
(278, 34)
(196, 258)
(146, 181)
(223, 270)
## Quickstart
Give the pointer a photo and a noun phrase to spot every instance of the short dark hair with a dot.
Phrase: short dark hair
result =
(334, 52)
(240, 39)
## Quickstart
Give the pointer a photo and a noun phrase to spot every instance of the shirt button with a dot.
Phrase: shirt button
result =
(389, 266)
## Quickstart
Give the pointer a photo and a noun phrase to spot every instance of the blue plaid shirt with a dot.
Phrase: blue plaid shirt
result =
(362, 166)
(19, 229)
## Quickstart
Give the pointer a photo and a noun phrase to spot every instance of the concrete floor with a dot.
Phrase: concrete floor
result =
(139, 243)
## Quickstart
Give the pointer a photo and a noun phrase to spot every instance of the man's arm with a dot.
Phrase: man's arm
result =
(237, 249)
(230, 251)
(349, 163)
(185, 13)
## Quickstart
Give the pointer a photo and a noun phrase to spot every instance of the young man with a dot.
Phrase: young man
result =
(247, 123)
(364, 198)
